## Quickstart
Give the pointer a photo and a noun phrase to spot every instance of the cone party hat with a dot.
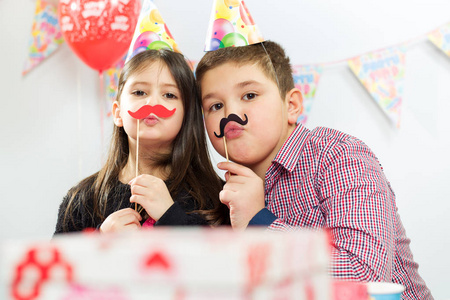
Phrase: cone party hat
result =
(231, 25)
(151, 32)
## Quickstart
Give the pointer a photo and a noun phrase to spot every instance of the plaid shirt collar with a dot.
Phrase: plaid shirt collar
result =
(289, 155)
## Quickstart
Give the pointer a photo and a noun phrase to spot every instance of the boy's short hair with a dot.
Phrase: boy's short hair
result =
(275, 59)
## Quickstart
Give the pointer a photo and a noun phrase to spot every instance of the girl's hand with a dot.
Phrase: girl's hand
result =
(152, 194)
(121, 220)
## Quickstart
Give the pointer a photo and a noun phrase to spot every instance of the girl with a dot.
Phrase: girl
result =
(178, 185)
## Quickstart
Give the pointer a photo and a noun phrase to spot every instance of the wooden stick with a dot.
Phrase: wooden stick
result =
(137, 157)
(226, 150)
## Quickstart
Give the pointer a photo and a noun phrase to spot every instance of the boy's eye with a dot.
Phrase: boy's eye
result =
(249, 96)
(216, 107)
(139, 93)
(170, 96)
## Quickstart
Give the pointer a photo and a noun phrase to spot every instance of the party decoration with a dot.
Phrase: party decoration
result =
(151, 32)
(45, 37)
(53, 2)
(99, 32)
(141, 113)
(382, 74)
(111, 77)
(43, 262)
(441, 38)
(193, 64)
(233, 131)
(231, 25)
(169, 263)
(158, 260)
(79, 292)
(146, 110)
(306, 79)
(231, 118)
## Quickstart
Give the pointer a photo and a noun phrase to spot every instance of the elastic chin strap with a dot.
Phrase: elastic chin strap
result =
(276, 77)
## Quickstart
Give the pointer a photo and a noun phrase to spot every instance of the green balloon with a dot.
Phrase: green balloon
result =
(156, 45)
(234, 39)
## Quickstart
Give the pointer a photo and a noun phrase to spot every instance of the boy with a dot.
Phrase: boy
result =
(286, 176)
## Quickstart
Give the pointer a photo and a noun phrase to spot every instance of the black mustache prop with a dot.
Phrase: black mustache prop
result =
(230, 118)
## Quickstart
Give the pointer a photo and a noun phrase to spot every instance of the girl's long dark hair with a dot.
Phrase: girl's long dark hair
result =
(190, 165)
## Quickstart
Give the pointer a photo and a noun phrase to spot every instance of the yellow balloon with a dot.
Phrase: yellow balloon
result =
(155, 17)
(232, 3)
(224, 12)
(147, 25)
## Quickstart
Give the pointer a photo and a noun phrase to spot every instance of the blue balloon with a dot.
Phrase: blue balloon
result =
(138, 50)
(214, 44)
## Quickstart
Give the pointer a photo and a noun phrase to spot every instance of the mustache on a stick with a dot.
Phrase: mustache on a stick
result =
(230, 118)
(146, 110)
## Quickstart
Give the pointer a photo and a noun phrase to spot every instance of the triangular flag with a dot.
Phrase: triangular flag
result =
(441, 38)
(231, 25)
(111, 78)
(382, 74)
(193, 64)
(306, 79)
(46, 35)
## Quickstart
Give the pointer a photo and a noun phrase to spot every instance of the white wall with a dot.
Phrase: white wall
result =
(51, 133)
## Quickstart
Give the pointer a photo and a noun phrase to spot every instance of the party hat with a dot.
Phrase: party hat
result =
(231, 25)
(151, 32)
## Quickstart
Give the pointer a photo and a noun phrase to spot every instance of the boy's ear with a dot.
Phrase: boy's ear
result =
(294, 100)
(116, 114)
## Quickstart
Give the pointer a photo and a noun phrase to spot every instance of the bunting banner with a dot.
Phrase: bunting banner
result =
(306, 79)
(111, 80)
(193, 64)
(45, 37)
(441, 38)
(382, 74)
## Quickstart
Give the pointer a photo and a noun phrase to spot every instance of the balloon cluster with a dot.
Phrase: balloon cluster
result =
(232, 26)
(151, 33)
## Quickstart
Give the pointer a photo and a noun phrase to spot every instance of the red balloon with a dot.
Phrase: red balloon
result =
(99, 31)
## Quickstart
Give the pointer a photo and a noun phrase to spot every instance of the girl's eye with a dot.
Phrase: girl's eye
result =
(139, 93)
(170, 96)
(249, 96)
(216, 107)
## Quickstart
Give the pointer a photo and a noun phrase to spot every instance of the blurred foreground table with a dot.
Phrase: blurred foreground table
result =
(170, 263)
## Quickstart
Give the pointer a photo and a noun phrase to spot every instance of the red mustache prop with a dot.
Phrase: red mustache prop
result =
(146, 110)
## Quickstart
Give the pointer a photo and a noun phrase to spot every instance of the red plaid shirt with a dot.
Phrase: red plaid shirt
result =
(327, 179)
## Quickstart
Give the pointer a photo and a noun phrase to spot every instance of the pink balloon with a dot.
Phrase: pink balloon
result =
(145, 39)
(221, 27)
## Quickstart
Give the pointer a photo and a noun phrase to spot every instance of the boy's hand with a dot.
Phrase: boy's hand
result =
(152, 194)
(243, 193)
(121, 220)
